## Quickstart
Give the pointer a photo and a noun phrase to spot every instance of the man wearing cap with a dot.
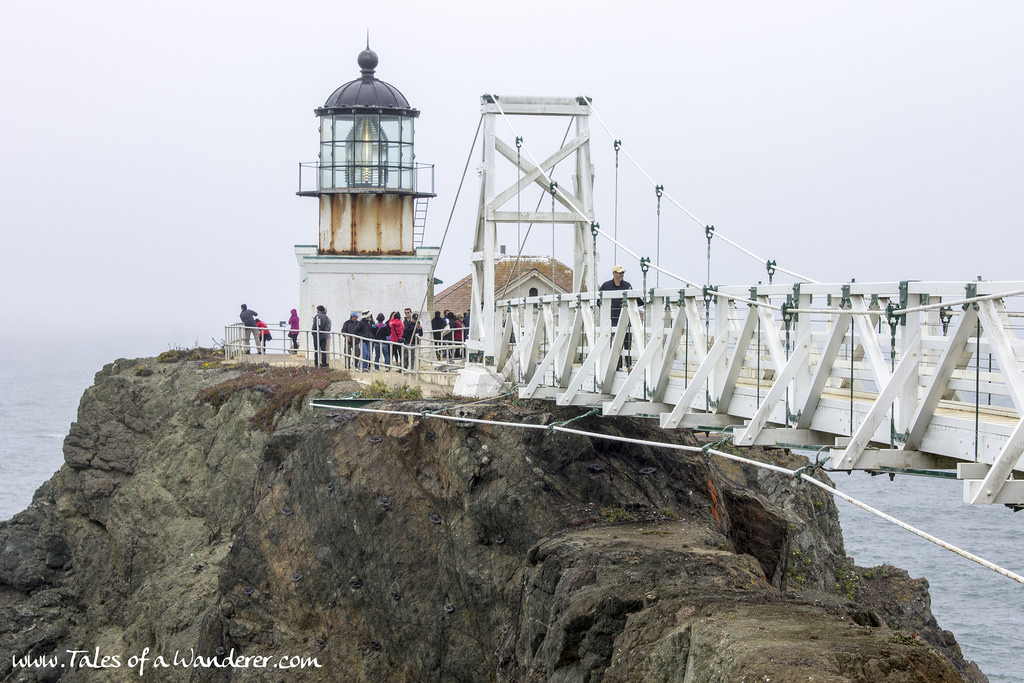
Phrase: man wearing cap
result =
(321, 336)
(348, 329)
(617, 284)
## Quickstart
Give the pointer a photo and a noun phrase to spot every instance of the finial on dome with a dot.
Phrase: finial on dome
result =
(367, 59)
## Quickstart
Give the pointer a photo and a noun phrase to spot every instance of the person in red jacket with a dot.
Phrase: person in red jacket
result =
(457, 334)
(263, 332)
(397, 327)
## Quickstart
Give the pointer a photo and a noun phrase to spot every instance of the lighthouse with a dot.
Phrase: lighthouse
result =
(373, 204)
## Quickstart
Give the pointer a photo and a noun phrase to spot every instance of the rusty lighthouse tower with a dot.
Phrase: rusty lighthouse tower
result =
(373, 202)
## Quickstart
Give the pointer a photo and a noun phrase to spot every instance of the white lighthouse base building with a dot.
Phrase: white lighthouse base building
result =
(380, 284)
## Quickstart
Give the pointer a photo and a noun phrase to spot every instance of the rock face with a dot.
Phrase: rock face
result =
(379, 547)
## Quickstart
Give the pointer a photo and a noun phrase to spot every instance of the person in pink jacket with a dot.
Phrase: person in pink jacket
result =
(293, 330)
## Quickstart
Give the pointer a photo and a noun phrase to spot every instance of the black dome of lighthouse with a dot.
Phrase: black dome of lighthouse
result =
(366, 92)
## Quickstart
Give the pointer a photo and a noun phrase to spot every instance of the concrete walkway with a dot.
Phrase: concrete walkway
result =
(433, 383)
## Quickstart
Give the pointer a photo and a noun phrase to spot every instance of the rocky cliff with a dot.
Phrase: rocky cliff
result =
(208, 526)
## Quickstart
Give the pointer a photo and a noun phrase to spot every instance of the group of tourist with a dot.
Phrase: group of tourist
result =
(446, 328)
(368, 340)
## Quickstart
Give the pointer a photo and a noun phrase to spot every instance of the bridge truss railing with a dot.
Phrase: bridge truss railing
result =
(884, 376)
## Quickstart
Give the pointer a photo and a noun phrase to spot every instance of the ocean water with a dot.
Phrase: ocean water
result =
(40, 389)
(984, 609)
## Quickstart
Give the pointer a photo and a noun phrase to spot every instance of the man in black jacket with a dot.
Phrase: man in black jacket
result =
(364, 328)
(321, 337)
(408, 327)
(248, 318)
(618, 284)
(348, 329)
(437, 328)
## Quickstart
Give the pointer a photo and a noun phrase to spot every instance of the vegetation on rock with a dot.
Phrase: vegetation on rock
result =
(198, 353)
(281, 388)
(379, 389)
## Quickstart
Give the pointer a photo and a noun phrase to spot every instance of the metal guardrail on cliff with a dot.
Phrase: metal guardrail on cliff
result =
(428, 360)
(889, 377)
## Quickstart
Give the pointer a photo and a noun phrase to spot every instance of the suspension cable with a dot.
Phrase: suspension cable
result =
(758, 359)
(893, 324)
(519, 195)
(918, 309)
(659, 190)
(977, 388)
(567, 200)
(615, 215)
(961, 302)
(688, 213)
(465, 169)
(554, 229)
(852, 349)
(709, 232)
(515, 264)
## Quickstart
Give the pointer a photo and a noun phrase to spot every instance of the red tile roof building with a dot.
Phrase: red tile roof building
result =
(530, 276)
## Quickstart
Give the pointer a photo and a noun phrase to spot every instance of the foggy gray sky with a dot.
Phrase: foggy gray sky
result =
(149, 152)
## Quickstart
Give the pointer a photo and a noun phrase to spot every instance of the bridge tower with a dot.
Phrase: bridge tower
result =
(373, 201)
(499, 206)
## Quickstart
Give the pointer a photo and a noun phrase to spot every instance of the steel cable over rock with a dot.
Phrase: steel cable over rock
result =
(696, 449)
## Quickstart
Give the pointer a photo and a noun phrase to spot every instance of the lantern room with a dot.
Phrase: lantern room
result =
(371, 189)
(366, 135)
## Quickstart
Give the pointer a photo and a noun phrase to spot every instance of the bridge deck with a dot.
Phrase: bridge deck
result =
(886, 375)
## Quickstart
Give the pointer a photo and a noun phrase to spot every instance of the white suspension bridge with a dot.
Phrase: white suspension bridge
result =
(919, 377)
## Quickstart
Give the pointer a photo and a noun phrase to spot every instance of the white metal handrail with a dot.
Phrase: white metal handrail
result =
(426, 358)
(879, 372)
